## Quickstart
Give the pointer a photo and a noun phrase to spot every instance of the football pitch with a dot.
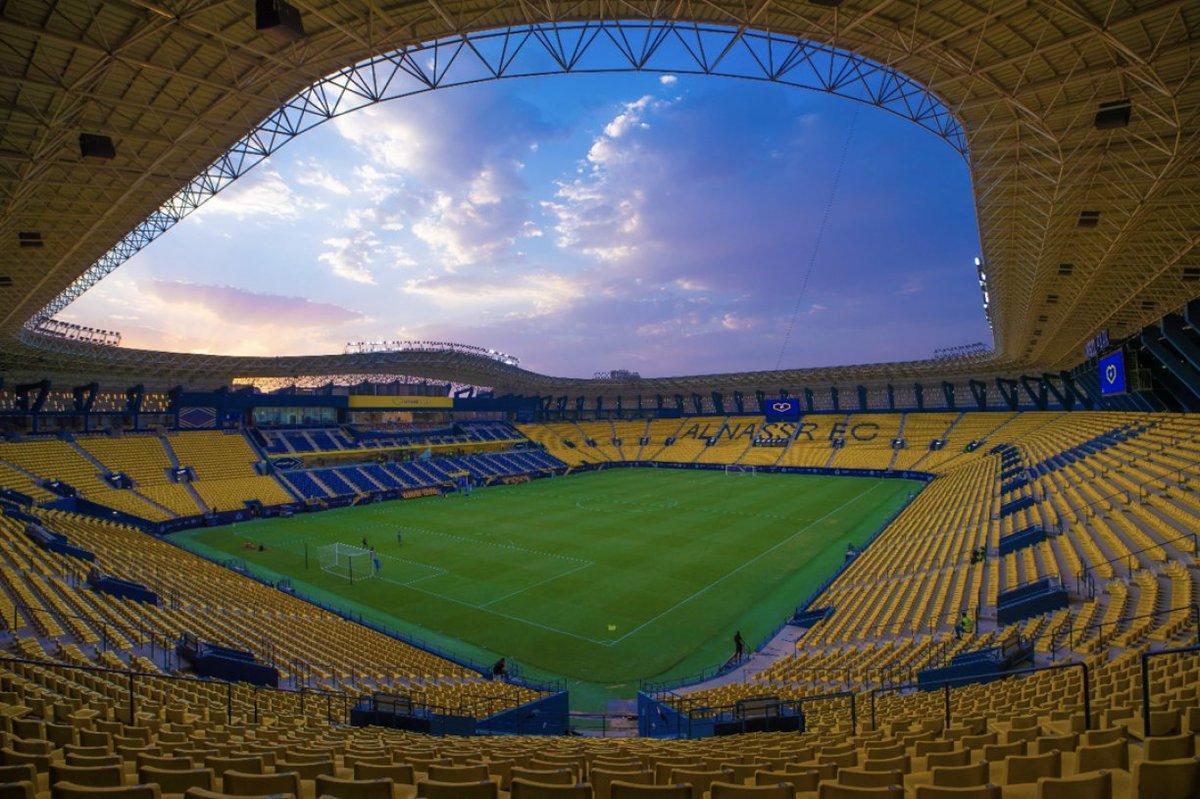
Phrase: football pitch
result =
(600, 578)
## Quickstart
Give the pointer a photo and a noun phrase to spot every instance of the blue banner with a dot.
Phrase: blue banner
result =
(782, 409)
(1112, 373)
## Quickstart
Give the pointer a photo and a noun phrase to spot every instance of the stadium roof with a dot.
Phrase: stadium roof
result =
(1085, 225)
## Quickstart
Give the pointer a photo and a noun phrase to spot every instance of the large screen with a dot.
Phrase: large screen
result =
(1112, 373)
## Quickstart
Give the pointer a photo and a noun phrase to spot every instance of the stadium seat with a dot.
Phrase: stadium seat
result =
(1166, 778)
(380, 788)
(620, 789)
(1098, 785)
(725, 790)
(482, 789)
(972, 792)
(524, 789)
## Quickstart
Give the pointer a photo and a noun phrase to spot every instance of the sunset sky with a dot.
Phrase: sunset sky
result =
(658, 223)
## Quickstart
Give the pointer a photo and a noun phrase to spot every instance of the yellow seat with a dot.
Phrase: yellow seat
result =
(380, 788)
(603, 778)
(562, 776)
(1166, 779)
(67, 790)
(1171, 747)
(779, 790)
(241, 783)
(483, 789)
(985, 791)
(829, 790)
(1084, 786)
(631, 790)
(92, 776)
(524, 789)
(176, 780)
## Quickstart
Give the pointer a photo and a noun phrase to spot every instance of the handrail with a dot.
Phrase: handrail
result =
(703, 712)
(155, 639)
(1146, 657)
(1179, 473)
(1194, 607)
(947, 684)
(1128, 557)
(134, 676)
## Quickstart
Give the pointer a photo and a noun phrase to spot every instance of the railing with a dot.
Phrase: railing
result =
(1180, 477)
(1077, 635)
(1146, 658)
(1131, 563)
(469, 706)
(699, 716)
(157, 642)
(946, 686)
(602, 725)
(134, 677)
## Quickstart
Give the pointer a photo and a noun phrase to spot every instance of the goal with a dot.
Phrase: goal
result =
(736, 469)
(346, 561)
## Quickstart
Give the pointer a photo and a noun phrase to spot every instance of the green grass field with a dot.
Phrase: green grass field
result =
(602, 578)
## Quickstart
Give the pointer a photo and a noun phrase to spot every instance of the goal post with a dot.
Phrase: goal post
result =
(346, 561)
(738, 469)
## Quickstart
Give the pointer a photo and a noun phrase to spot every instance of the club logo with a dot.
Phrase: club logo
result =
(781, 407)
(1110, 373)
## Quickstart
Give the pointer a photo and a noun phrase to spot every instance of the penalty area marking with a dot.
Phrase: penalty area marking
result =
(757, 557)
(582, 564)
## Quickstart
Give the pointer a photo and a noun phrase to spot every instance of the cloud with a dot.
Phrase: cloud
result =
(510, 296)
(463, 195)
(351, 257)
(262, 193)
(667, 80)
(313, 174)
(646, 232)
(239, 306)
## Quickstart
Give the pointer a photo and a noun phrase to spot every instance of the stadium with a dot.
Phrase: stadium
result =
(420, 568)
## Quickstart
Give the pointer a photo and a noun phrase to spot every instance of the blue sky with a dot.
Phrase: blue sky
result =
(582, 223)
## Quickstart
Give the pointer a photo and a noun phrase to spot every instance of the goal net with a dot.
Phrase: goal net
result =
(737, 469)
(346, 561)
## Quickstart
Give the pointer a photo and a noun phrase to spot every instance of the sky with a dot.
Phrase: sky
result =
(659, 223)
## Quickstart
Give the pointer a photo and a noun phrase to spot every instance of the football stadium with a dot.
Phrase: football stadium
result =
(426, 568)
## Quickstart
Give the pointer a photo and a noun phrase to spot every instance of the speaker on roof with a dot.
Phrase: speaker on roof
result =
(278, 20)
(1112, 115)
(95, 145)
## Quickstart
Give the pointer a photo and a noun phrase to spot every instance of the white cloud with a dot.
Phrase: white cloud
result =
(262, 193)
(515, 296)
(313, 174)
(351, 257)
(667, 80)
(355, 218)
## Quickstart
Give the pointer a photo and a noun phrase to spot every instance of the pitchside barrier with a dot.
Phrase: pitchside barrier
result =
(549, 715)
(900, 474)
(670, 715)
